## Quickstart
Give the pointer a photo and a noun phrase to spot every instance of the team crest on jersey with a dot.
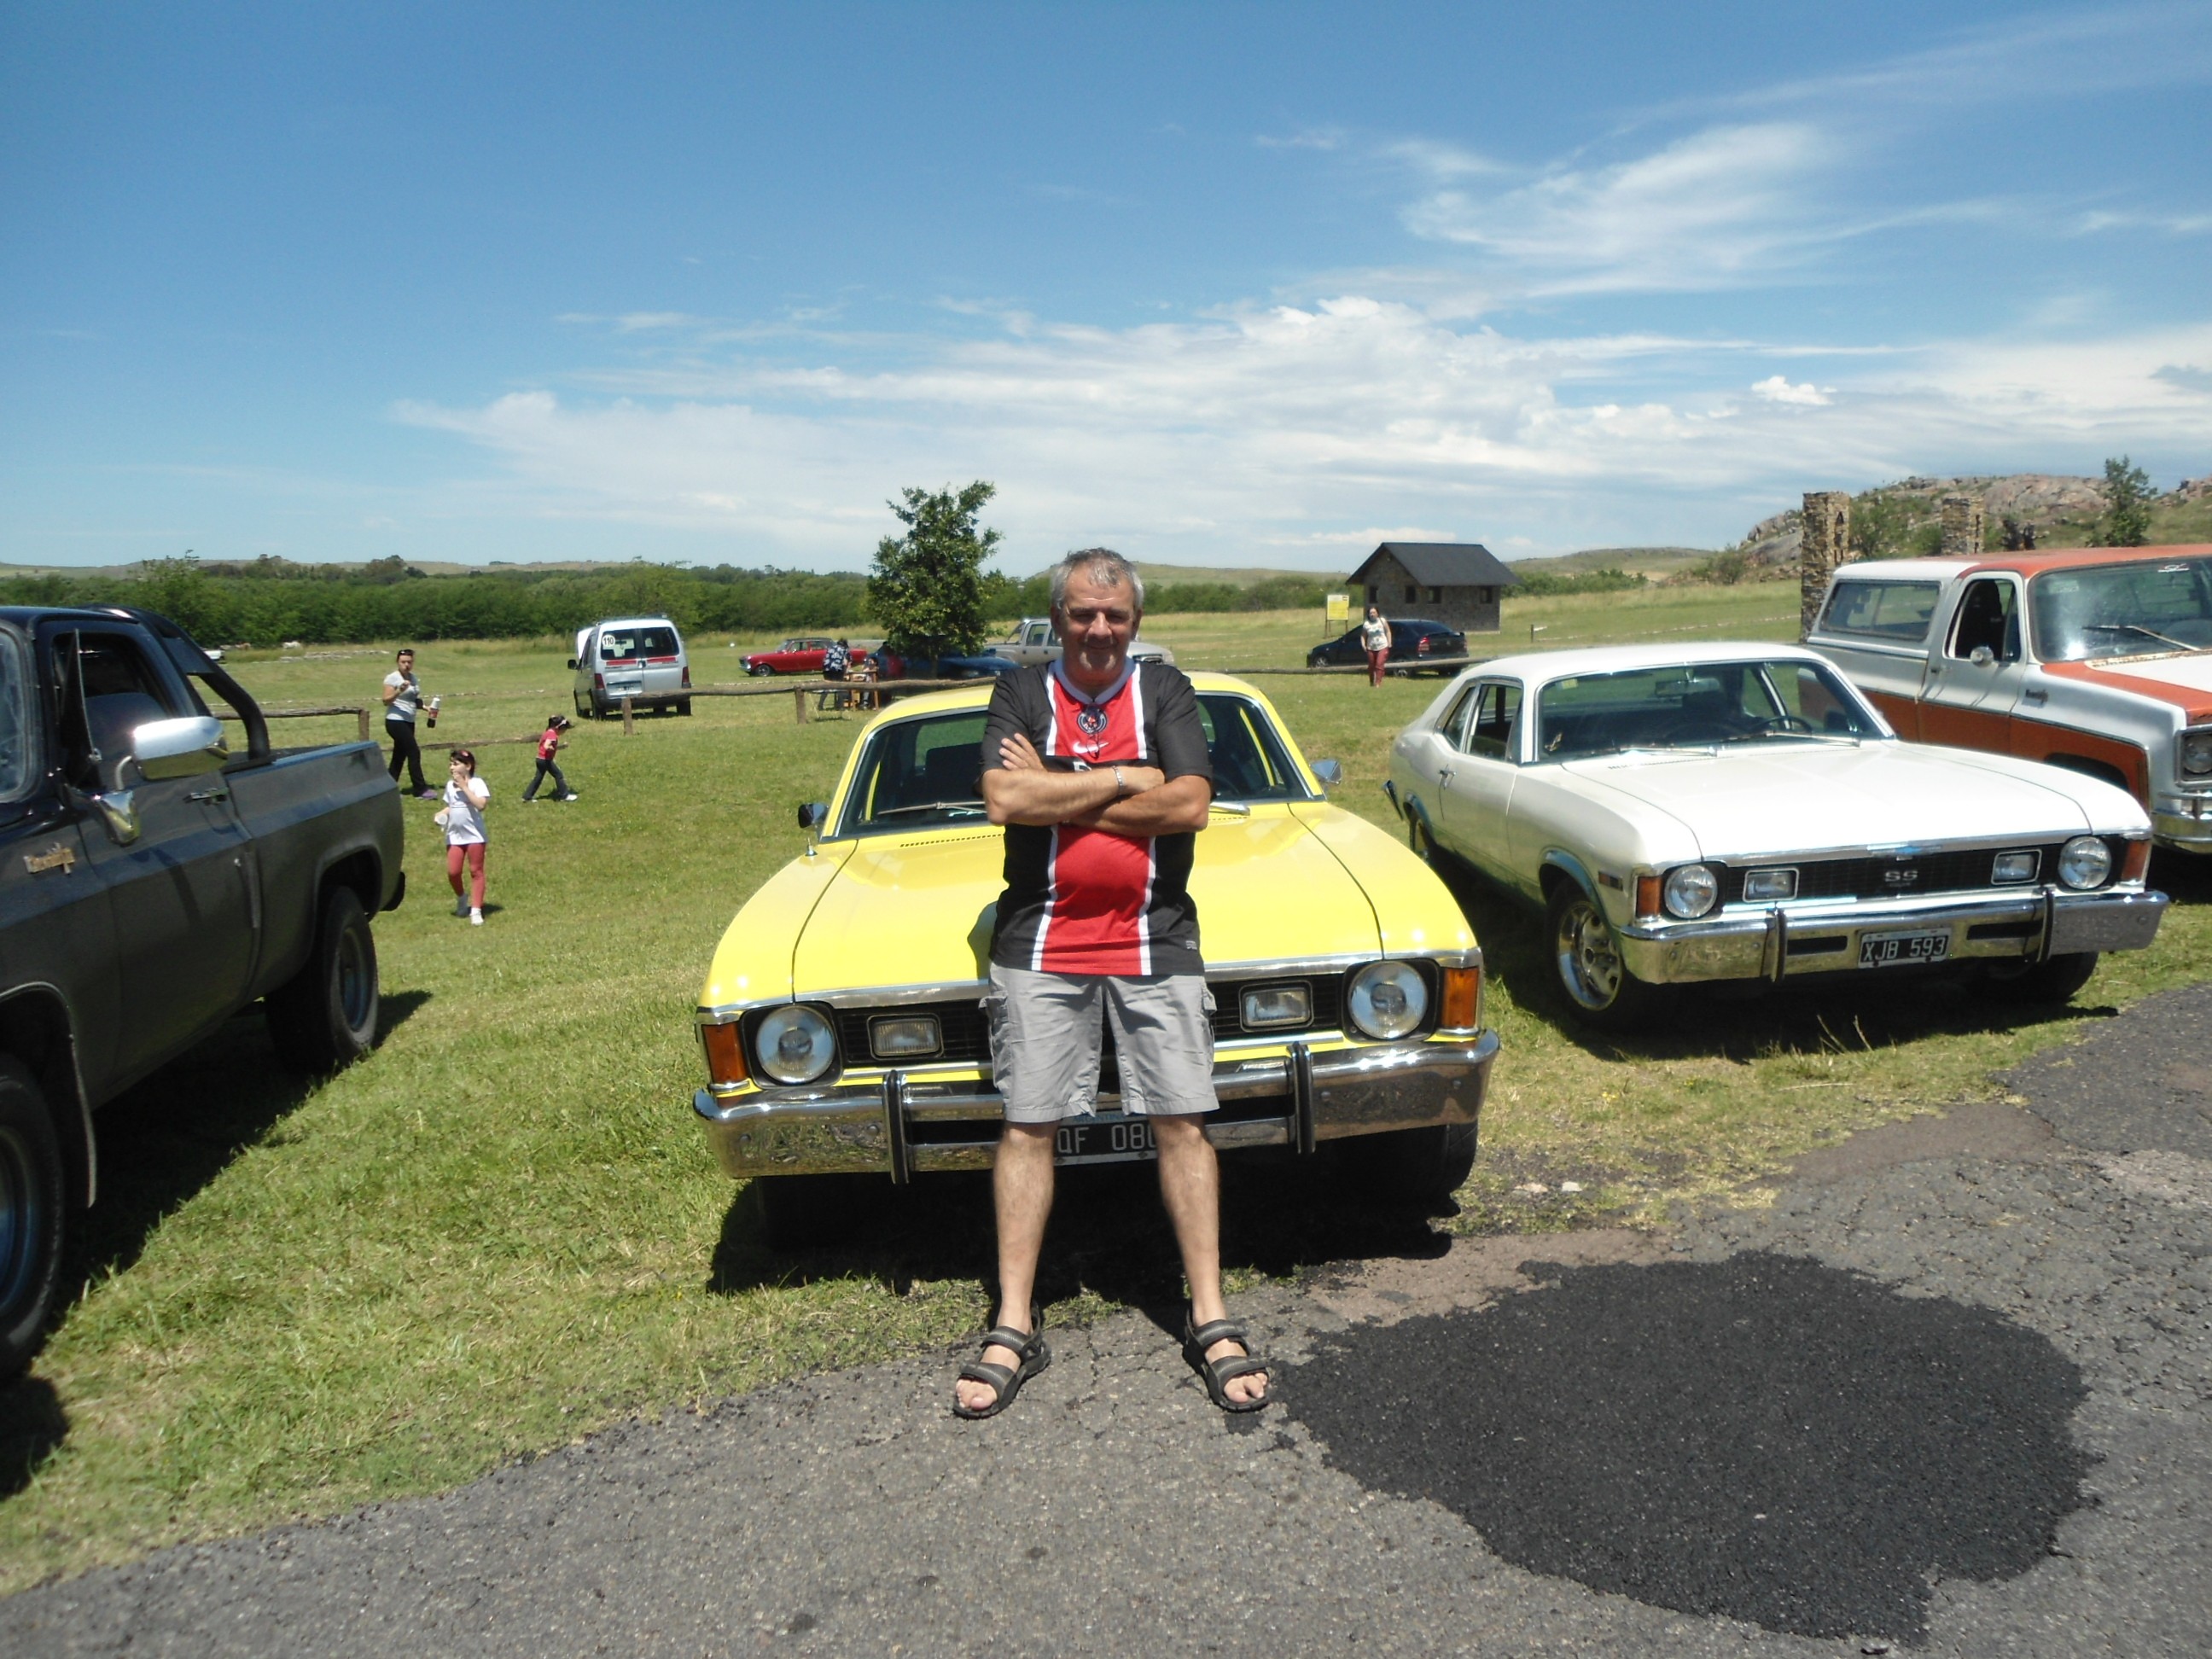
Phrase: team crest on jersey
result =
(1091, 718)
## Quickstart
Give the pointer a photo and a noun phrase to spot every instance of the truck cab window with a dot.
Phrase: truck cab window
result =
(108, 690)
(18, 725)
(1989, 615)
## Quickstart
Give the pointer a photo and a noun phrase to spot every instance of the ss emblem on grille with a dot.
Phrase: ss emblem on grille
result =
(1904, 878)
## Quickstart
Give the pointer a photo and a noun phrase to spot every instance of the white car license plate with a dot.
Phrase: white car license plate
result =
(1902, 950)
(1104, 1140)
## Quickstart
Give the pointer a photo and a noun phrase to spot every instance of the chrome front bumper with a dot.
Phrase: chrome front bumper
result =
(908, 1123)
(1789, 940)
(2183, 822)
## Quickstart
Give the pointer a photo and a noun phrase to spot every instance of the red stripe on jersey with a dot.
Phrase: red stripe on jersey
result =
(1100, 884)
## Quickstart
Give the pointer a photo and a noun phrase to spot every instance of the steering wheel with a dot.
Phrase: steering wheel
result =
(1785, 723)
(1698, 731)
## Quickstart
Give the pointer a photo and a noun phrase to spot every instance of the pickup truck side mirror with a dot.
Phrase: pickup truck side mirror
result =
(1981, 656)
(183, 747)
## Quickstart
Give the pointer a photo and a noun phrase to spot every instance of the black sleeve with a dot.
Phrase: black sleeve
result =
(1178, 734)
(1014, 708)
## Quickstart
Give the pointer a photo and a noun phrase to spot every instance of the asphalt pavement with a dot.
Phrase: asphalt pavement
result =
(1951, 1394)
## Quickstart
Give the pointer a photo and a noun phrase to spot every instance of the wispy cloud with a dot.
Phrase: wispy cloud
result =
(1776, 389)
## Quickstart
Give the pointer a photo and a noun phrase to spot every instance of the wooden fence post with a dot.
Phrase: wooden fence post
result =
(629, 727)
(361, 716)
(798, 706)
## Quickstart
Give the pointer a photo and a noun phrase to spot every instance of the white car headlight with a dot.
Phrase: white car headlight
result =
(2085, 861)
(1389, 1000)
(795, 1044)
(2196, 754)
(1691, 892)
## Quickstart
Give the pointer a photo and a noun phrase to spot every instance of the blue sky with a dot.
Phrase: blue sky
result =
(1213, 284)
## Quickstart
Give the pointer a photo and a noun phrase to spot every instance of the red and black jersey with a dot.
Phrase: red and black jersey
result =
(1081, 901)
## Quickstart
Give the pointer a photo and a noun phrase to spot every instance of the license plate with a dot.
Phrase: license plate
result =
(1903, 950)
(625, 688)
(1104, 1140)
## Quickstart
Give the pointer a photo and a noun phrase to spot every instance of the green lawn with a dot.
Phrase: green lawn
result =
(501, 1230)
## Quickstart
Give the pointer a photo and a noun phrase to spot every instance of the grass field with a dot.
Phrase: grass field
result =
(502, 1230)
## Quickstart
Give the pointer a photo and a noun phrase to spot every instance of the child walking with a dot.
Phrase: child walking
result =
(462, 818)
(549, 744)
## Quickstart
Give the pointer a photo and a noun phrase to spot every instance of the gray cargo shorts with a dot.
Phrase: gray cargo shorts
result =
(1045, 1042)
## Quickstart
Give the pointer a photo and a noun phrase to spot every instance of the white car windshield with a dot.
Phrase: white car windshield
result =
(2122, 609)
(1696, 706)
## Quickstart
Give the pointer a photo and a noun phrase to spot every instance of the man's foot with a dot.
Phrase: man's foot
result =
(1221, 1353)
(989, 1382)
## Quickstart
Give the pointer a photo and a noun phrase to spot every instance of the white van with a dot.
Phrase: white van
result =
(640, 657)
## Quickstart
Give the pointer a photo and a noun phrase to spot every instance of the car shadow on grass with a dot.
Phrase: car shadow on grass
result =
(1109, 1239)
(160, 1142)
(1823, 1013)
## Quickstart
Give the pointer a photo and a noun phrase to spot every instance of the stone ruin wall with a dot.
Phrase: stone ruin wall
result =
(1827, 544)
(1964, 523)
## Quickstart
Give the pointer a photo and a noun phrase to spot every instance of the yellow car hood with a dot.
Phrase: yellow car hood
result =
(919, 909)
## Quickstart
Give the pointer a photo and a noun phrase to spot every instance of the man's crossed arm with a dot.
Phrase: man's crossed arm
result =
(1023, 791)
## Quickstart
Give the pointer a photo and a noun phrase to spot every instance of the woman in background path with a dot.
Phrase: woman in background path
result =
(1374, 640)
(462, 818)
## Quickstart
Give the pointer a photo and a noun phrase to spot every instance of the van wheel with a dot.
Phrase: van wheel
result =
(1587, 962)
(2039, 984)
(33, 1217)
(683, 707)
(583, 708)
(1423, 1166)
(325, 1016)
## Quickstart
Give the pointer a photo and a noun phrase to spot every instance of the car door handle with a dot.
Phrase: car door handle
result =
(209, 795)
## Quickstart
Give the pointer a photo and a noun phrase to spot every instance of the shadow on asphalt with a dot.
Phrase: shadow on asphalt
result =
(160, 1143)
(1738, 1022)
(1109, 1236)
(1764, 1439)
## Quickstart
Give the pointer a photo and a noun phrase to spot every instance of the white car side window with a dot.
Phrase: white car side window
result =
(1454, 720)
(1496, 715)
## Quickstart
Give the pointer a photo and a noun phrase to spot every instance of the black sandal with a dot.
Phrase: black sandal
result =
(1030, 1345)
(1217, 1373)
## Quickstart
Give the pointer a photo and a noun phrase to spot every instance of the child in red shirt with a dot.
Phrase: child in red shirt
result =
(548, 744)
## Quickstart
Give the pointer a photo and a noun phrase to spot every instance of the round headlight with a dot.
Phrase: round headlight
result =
(2085, 861)
(795, 1044)
(2196, 754)
(1691, 890)
(1389, 1000)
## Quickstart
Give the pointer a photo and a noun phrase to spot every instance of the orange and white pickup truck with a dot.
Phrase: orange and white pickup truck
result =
(2095, 659)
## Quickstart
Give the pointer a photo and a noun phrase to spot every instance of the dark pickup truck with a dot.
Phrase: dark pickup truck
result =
(154, 881)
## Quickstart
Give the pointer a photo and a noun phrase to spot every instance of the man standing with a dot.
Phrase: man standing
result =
(1097, 767)
(403, 699)
(1374, 640)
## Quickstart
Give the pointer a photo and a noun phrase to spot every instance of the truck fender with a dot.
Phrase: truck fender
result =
(38, 1028)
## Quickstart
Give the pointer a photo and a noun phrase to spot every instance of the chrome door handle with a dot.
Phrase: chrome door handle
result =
(209, 795)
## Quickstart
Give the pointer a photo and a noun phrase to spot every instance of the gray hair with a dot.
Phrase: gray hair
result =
(1102, 565)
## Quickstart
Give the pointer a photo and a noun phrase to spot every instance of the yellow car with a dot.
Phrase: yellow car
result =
(841, 1020)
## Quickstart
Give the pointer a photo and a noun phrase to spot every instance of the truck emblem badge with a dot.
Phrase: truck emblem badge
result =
(59, 856)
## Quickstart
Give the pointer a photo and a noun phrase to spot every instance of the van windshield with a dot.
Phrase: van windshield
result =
(2121, 610)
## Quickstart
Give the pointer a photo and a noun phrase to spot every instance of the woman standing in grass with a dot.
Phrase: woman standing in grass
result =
(466, 797)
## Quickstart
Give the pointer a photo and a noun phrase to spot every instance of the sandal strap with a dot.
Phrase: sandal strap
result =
(1004, 1336)
(1231, 1366)
(1218, 1330)
(982, 1371)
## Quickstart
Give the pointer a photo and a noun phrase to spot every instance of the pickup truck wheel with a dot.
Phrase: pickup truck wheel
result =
(34, 1215)
(1586, 960)
(1422, 1166)
(805, 1212)
(2040, 984)
(325, 1016)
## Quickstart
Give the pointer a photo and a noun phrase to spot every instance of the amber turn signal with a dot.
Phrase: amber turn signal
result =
(1461, 1008)
(2137, 860)
(726, 1053)
(1647, 895)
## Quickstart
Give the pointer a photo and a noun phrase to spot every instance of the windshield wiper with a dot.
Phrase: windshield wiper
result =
(2137, 628)
(962, 808)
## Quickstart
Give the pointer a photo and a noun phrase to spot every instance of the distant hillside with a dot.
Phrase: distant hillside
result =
(1656, 562)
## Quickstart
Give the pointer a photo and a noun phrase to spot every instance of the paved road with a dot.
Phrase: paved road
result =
(1953, 1393)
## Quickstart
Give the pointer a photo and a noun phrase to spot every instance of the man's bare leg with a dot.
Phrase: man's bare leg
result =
(1190, 1187)
(1021, 1193)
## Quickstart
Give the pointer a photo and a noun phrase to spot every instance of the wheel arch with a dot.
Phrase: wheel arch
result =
(1559, 866)
(36, 1029)
(2103, 771)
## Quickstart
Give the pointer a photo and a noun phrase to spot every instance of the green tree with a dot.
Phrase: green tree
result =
(2127, 504)
(927, 587)
(1881, 525)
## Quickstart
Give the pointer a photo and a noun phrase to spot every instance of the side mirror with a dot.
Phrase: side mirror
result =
(182, 748)
(572, 664)
(811, 818)
(1331, 773)
(1981, 656)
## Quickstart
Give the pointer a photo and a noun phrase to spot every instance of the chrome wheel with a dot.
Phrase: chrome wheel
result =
(1585, 953)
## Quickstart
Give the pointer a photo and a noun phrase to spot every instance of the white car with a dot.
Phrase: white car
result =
(1738, 812)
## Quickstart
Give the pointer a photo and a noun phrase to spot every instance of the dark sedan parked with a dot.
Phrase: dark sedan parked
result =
(1415, 645)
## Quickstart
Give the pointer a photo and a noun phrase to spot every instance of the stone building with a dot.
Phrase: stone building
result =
(1456, 583)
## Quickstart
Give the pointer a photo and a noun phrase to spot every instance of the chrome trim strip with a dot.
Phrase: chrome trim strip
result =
(894, 1124)
(1301, 1098)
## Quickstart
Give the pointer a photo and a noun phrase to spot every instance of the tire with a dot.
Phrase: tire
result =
(325, 1016)
(2039, 984)
(1586, 963)
(806, 1212)
(33, 1217)
(759, 671)
(583, 708)
(683, 707)
(1422, 1166)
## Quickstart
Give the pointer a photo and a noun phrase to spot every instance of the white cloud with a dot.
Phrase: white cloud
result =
(1776, 389)
(1287, 434)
